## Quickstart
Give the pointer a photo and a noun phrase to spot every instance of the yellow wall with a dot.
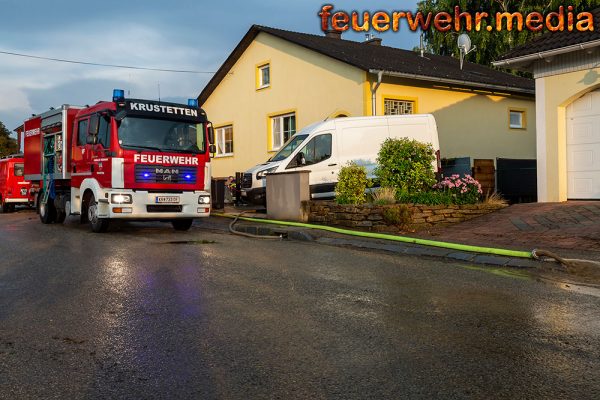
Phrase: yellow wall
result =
(303, 81)
(316, 87)
(554, 94)
(469, 124)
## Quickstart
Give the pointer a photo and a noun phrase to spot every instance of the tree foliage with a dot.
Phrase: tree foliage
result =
(490, 45)
(8, 145)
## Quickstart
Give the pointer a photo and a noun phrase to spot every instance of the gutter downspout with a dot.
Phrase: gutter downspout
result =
(374, 92)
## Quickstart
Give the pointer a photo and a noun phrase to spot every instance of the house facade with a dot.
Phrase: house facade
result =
(566, 68)
(276, 82)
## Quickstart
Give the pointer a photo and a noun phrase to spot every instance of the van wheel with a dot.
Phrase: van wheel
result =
(47, 211)
(182, 224)
(97, 224)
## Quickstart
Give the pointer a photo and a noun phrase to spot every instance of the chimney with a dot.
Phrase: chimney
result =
(371, 39)
(332, 33)
(374, 41)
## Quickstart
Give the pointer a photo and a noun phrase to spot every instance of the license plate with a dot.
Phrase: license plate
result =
(167, 199)
(23, 192)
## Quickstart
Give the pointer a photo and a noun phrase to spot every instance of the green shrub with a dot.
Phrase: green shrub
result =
(430, 198)
(406, 164)
(400, 215)
(352, 183)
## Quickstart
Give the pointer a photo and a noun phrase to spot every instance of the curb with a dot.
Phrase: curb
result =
(398, 248)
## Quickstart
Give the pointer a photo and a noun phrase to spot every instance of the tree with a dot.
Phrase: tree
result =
(8, 145)
(490, 45)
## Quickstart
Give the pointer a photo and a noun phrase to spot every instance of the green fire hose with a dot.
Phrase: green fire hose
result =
(395, 238)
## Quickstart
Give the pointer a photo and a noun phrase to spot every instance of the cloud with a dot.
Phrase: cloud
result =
(32, 85)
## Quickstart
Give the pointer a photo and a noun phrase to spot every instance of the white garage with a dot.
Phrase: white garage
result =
(583, 147)
(566, 68)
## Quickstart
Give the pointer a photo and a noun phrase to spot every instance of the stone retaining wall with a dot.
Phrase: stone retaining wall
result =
(393, 218)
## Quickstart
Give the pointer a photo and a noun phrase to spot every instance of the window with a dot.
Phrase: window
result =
(398, 107)
(264, 76)
(224, 141)
(516, 119)
(19, 169)
(82, 132)
(317, 150)
(104, 133)
(282, 128)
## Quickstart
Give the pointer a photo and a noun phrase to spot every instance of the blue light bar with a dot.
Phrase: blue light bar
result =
(118, 95)
(193, 103)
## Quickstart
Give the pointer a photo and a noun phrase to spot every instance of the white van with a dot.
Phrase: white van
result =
(324, 147)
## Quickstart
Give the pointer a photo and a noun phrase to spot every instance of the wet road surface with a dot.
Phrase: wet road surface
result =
(130, 315)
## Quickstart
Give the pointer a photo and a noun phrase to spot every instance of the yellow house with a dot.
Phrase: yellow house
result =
(275, 82)
(566, 67)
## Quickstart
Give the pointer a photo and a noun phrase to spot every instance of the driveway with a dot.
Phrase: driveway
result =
(571, 228)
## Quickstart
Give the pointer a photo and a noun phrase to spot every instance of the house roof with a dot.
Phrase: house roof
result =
(382, 58)
(555, 40)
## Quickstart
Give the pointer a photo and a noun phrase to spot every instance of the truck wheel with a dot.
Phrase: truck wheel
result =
(97, 224)
(3, 206)
(47, 211)
(182, 224)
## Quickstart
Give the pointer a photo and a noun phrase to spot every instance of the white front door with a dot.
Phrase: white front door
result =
(583, 147)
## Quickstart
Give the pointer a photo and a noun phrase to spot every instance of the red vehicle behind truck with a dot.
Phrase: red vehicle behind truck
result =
(14, 189)
(120, 159)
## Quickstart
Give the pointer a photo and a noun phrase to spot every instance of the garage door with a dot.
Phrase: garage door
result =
(583, 147)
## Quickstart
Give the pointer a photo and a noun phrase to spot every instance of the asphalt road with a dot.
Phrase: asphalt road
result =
(130, 314)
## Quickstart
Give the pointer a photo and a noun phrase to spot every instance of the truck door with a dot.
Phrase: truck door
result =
(317, 157)
(81, 156)
(100, 162)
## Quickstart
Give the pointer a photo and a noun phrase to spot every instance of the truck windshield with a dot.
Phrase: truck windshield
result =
(161, 135)
(19, 169)
(289, 147)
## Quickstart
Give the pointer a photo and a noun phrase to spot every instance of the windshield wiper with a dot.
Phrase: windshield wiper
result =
(142, 147)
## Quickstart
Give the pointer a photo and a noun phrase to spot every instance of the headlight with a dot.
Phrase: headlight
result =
(262, 174)
(204, 200)
(120, 198)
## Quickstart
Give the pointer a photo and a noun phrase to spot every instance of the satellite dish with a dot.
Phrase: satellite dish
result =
(464, 45)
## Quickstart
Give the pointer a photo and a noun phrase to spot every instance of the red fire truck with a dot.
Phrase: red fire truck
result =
(14, 189)
(125, 159)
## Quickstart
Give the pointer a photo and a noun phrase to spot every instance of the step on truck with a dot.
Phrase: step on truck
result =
(14, 189)
(121, 159)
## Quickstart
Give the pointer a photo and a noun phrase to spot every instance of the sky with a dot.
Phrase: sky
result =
(193, 35)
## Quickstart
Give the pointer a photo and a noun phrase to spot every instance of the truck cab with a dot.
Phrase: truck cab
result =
(14, 189)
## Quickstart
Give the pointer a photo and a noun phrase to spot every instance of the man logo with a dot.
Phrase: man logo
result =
(167, 171)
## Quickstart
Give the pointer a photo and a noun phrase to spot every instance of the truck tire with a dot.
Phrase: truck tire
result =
(4, 206)
(46, 210)
(97, 224)
(182, 224)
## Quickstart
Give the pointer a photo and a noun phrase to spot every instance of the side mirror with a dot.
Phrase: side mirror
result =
(91, 139)
(94, 125)
(212, 148)
(300, 160)
(211, 135)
